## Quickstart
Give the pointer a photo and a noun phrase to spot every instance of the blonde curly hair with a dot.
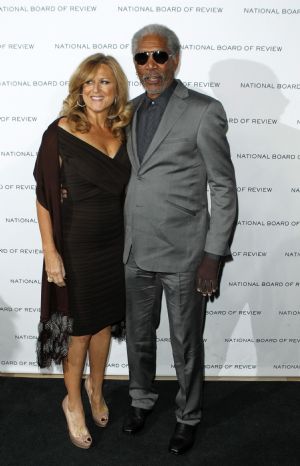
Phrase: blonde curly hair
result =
(120, 112)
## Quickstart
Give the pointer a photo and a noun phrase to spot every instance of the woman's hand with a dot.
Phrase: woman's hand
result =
(54, 268)
(53, 262)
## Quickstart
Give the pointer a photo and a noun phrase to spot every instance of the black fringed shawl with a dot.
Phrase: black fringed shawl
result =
(55, 324)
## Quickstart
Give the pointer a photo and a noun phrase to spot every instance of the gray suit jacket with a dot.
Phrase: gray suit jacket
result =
(167, 222)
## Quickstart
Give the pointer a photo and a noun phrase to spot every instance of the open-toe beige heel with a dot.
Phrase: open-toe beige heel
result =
(82, 439)
(100, 418)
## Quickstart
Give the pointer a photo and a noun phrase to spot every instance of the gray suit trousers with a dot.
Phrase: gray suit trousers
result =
(186, 310)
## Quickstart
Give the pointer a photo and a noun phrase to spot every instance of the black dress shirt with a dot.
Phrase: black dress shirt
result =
(148, 118)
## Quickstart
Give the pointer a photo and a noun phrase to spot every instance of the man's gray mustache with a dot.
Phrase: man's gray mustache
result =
(150, 76)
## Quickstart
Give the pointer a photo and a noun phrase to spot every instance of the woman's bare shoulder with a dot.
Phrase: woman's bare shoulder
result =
(64, 123)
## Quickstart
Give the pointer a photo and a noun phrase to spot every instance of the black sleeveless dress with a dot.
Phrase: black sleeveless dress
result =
(93, 232)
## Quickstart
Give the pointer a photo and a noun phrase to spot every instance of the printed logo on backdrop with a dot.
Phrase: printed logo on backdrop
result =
(169, 9)
(116, 365)
(17, 153)
(19, 309)
(286, 367)
(201, 84)
(211, 368)
(271, 85)
(17, 187)
(249, 254)
(266, 284)
(254, 189)
(134, 83)
(16, 46)
(23, 220)
(262, 340)
(41, 8)
(25, 337)
(105, 47)
(268, 223)
(252, 121)
(289, 313)
(18, 119)
(14, 363)
(230, 367)
(21, 251)
(272, 11)
(266, 156)
(292, 254)
(24, 281)
(231, 312)
(261, 48)
(16, 83)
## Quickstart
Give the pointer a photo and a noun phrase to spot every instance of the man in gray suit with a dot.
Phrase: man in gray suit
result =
(177, 145)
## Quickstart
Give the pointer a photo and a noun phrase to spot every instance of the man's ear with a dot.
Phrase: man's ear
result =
(176, 60)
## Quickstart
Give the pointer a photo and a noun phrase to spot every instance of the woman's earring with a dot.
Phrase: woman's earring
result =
(115, 100)
(79, 104)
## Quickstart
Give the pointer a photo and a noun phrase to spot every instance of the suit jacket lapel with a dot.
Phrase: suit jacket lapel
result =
(131, 137)
(176, 106)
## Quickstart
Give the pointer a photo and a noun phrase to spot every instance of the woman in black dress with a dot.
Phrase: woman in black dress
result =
(81, 172)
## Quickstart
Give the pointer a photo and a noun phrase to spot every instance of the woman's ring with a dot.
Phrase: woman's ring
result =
(50, 279)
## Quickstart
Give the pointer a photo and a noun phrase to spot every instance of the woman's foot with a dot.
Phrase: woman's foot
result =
(99, 408)
(78, 432)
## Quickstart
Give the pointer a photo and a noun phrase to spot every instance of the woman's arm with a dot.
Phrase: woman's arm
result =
(53, 262)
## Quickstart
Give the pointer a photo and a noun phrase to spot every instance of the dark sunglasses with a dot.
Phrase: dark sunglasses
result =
(159, 56)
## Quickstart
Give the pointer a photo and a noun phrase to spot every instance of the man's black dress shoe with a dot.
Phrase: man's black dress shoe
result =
(135, 420)
(182, 439)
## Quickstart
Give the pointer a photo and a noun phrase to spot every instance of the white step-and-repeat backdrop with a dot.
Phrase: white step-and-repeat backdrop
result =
(242, 52)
